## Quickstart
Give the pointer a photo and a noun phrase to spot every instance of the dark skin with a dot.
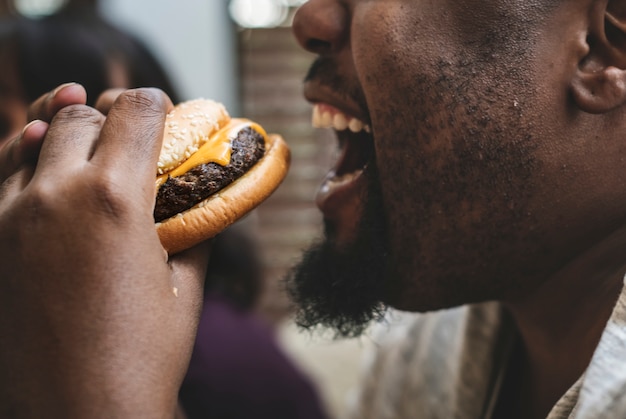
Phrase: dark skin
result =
(458, 94)
(101, 321)
(504, 119)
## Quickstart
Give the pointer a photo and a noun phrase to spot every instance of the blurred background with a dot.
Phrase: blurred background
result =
(242, 53)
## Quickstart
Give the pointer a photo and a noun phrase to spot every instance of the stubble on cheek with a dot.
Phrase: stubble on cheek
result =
(459, 163)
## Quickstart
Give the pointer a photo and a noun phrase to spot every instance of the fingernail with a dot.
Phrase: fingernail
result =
(31, 124)
(61, 87)
(27, 127)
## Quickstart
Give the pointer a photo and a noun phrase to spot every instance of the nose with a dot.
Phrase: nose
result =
(321, 26)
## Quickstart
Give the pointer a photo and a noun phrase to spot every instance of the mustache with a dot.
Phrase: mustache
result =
(325, 71)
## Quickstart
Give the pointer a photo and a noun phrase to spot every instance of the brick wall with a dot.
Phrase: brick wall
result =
(273, 67)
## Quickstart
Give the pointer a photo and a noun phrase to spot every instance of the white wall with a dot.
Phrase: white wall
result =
(194, 39)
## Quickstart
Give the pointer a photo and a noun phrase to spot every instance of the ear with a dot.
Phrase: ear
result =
(600, 82)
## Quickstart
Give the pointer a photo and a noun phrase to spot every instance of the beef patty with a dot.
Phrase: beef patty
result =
(180, 193)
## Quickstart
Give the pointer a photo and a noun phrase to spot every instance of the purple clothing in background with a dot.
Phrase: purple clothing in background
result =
(238, 371)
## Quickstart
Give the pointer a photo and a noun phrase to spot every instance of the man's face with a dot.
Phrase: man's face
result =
(463, 185)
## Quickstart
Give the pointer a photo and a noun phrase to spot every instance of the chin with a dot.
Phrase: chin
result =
(340, 283)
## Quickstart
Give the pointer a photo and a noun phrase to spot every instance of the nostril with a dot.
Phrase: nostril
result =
(317, 46)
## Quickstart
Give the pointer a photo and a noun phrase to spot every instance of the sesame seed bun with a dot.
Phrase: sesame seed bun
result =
(187, 128)
(211, 216)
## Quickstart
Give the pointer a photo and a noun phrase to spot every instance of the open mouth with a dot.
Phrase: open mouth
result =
(356, 147)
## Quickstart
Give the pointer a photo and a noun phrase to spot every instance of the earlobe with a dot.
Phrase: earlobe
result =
(599, 90)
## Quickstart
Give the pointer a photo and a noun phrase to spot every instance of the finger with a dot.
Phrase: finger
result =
(107, 98)
(132, 134)
(70, 140)
(14, 185)
(47, 105)
(23, 149)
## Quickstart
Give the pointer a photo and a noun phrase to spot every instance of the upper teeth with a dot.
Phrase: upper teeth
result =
(332, 118)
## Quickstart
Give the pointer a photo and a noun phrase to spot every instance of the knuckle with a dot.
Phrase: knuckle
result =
(108, 197)
(79, 113)
(143, 99)
(40, 199)
(102, 195)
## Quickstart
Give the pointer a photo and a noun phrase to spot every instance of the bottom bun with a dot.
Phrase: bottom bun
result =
(211, 216)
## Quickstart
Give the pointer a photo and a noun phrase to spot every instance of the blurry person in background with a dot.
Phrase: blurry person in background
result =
(39, 54)
(237, 367)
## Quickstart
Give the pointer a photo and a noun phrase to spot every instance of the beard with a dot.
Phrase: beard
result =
(342, 288)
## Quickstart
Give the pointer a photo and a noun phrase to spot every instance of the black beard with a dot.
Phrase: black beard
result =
(342, 288)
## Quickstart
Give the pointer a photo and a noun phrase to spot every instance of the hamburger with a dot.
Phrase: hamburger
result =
(212, 170)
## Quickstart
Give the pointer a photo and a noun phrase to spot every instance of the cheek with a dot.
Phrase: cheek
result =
(444, 169)
(392, 38)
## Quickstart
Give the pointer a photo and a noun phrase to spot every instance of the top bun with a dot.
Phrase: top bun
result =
(187, 127)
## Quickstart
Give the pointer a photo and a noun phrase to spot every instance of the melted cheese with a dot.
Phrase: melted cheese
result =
(217, 148)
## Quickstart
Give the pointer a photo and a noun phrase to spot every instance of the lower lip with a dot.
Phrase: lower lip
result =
(340, 196)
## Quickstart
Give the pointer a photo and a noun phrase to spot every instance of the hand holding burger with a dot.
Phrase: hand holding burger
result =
(100, 322)
(87, 310)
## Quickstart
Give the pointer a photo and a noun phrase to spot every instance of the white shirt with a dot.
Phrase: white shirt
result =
(449, 365)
